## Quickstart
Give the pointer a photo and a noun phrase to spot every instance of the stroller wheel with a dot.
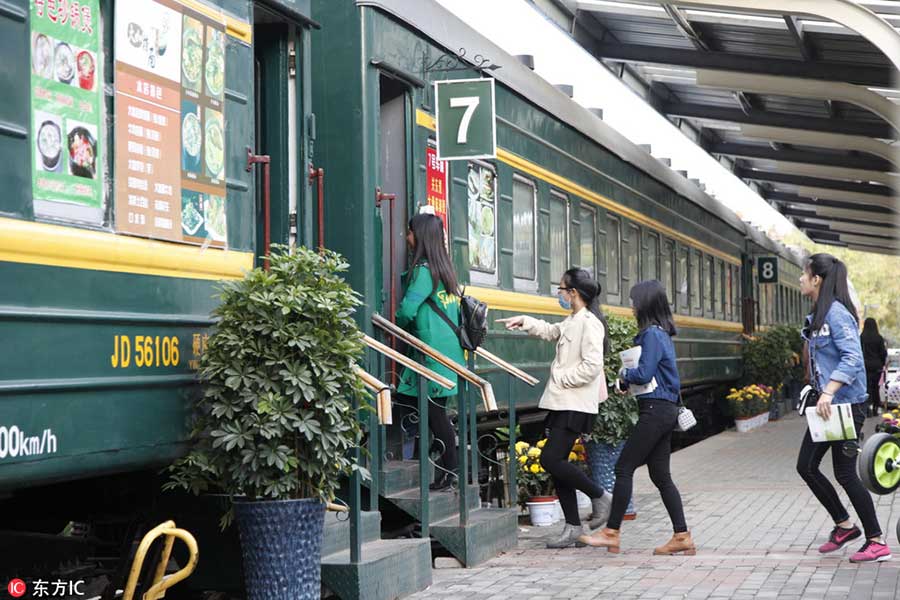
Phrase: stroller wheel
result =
(879, 464)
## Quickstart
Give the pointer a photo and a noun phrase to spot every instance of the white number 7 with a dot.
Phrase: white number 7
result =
(470, 102)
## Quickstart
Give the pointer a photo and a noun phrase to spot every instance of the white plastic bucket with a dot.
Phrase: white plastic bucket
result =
(543, 514)
(584, 501)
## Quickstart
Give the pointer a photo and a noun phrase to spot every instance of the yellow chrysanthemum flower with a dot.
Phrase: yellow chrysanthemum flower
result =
(535, 468)
(534, 452)
(542, 443)
(523, 459)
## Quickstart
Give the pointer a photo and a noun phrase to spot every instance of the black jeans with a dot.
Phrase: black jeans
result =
(811, 454)
(440, 425)
(650, 444)
(566, 477)
(872, 379)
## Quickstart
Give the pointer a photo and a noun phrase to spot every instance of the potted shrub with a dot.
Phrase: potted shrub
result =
(276, 421)
(617, 416)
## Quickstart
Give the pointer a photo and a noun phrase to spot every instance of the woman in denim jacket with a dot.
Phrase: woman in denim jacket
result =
(651, 441)
(837, 371)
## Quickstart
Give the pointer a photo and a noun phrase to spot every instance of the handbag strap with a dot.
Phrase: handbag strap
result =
(430, 302)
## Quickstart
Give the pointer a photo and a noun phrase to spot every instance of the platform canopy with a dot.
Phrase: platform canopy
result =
(802, 106)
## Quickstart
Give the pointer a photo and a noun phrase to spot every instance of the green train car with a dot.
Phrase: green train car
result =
(196, 132)
(565, 189)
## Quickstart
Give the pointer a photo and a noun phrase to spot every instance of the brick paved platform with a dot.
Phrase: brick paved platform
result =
(755, 523)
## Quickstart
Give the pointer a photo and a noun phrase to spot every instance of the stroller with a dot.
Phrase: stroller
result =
(879, 460)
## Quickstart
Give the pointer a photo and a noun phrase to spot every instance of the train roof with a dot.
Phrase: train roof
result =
(449, 31)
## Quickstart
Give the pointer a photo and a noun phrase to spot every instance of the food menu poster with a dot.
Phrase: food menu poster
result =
(66, 110)
(170, 122)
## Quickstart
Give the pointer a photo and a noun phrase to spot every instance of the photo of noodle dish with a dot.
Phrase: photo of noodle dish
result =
(191, 219)
(215, 62)
(215, 144)
(214, 217)
(192, 52)
(64, 61)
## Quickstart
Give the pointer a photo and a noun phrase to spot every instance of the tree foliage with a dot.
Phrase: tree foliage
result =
(276, 419)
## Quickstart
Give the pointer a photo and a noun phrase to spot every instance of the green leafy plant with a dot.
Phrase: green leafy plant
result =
(276, 418)
(773, 356)
(617, 416)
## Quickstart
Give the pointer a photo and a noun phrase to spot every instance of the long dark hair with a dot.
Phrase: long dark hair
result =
(651, 306)
(428, 231)
(589, 290)
(834, 287)
(870, 332)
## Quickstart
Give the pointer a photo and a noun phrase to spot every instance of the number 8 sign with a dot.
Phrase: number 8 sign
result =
(465, 115)
(767, 269)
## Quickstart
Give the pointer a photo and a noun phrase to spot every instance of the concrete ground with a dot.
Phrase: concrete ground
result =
(755, 523)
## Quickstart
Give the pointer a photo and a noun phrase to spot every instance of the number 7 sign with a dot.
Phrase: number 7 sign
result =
(466, 119)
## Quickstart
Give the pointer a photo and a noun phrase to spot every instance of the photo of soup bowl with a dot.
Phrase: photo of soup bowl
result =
(86, 69)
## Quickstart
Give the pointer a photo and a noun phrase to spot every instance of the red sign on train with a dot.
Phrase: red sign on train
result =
(436, 187)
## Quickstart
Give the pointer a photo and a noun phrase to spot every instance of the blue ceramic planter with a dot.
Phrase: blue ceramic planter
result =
(601, 459)
(281, 543)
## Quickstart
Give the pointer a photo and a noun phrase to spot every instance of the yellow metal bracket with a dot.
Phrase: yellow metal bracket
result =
(160, 585)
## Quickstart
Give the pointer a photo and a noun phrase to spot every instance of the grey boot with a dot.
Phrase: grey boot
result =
(601, 508)
(568, 537)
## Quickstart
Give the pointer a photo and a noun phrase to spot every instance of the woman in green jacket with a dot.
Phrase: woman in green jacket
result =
(431, 276)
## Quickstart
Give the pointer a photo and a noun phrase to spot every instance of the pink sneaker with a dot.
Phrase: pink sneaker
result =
(872, 552)
(839, 536)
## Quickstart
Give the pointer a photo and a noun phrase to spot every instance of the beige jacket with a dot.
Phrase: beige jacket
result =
(576, 380)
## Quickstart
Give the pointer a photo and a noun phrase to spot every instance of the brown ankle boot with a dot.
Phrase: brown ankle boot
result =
(603, 538)
(680, 542)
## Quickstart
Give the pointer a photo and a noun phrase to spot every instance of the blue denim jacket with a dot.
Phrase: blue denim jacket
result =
(836, 352)
(657, 360)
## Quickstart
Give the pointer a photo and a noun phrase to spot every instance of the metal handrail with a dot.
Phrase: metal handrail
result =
(408, 362)
(382, 393)
(511, 369)
(487, 391)
(160, 584)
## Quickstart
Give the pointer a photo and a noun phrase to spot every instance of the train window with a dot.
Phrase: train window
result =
(709, 305)
(613, 239)
(736, 293)
(721, 291)
(559, 236)
(681, 276)
(651, 257)
(727, 291)
(695, 281)
(631, 252)
(482, 201)
(524, 240)
(588, 218)
(668, 263)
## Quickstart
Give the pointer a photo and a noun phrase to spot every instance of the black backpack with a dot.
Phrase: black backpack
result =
(473, 320)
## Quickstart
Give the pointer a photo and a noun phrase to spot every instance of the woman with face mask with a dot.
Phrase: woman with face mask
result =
(837, 372)
(576, 387)
(431, 285)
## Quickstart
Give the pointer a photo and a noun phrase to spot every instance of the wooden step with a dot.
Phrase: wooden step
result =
(387, 569)
(442, 505)
(489, 532)
(400, 475)
(337, 530)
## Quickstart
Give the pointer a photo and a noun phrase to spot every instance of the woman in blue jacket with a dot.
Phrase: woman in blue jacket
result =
(651, 441)
(837, 371)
